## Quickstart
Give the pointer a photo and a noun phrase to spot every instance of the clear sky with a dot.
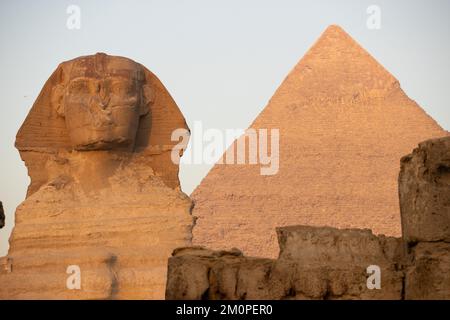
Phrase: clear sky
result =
(220, 60)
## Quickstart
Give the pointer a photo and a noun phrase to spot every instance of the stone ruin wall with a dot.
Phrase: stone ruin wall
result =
(328, 263)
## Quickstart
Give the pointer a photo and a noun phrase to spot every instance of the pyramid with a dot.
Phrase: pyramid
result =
(344, 123)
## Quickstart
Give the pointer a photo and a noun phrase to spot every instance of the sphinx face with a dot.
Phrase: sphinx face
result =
(102, 111)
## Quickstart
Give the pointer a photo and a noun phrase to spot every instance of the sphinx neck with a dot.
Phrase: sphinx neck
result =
(93, 169)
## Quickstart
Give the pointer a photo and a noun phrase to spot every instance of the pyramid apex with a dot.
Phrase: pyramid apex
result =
(336, 67)
(335, 31)
(334, 28)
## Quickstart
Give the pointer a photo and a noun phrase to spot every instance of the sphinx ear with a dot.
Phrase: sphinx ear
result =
(147, 99)
(56, 98)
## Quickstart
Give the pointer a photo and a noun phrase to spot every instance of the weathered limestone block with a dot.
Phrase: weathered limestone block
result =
(314, 263)
(424, 189)
(328, 263)
(313, 245)
(197, 273)
(428, 277)
(104, 193)
(2, 216)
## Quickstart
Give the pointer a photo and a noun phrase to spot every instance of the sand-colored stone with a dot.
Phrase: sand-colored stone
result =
(344, 124)
(428, 277)
(425, 192)
(424, 189)
(198, 273)
(104, 193)
(314, 263)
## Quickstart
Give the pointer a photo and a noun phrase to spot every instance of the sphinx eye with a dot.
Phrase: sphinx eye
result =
(122, 88)
(119, 88)
(78, 86)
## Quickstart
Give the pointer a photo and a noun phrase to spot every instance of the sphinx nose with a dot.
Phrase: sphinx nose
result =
(103, 94)
(102, 118)
(101, 115)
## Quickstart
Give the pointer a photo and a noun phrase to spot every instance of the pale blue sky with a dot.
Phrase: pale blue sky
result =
(220, 60)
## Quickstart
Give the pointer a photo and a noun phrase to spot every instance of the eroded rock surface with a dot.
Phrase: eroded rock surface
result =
(104, 194)
(424, 189)
(199, 273)
(425, 192)
(314, 263)
(428, 276)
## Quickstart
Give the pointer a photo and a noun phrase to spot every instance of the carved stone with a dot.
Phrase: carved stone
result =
(104, 193)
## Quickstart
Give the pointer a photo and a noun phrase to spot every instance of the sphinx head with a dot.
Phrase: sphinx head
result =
(102, 99)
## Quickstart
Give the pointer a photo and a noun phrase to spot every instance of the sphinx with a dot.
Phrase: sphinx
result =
(104, 197)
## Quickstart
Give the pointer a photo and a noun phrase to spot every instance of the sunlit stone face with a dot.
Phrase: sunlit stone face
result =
(102, 103)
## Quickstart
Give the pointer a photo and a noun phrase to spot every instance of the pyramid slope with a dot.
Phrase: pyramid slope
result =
(344, 124)
(336, 66)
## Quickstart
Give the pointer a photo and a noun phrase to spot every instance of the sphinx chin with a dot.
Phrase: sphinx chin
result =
(106, 138)
(102, 145)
